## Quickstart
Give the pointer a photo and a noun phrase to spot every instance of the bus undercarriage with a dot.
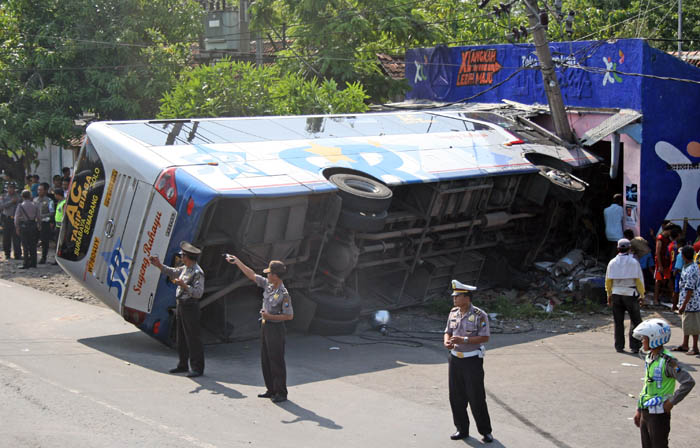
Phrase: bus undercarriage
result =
(403, 244)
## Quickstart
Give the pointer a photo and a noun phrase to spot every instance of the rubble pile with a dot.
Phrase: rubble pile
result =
(574, 272)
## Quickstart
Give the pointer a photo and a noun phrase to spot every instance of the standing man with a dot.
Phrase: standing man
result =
(34, 187)
(613, 223)
(689, 302)
(46, 214)
(466, 333)
(658, 395)
(662, 261)
(58, 216)
(624, 283)
(8, 206)
(26, 226)
(642, 252)
(189, 279)
(276, 309)
(56, 183)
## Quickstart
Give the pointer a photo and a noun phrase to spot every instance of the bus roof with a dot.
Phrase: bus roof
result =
(287, 155)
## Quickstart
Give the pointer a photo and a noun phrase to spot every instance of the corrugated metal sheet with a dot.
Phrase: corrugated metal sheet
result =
(612, 124)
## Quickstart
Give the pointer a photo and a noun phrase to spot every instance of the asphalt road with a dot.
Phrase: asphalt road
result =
(73, 374)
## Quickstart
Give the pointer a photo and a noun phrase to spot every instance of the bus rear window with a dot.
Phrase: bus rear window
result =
(82, 204)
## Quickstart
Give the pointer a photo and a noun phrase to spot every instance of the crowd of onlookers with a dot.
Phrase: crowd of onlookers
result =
(672, 267)
(32, 216)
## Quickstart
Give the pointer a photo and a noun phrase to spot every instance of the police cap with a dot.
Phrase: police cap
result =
(276, 267)
(460, 288)
(189, 249)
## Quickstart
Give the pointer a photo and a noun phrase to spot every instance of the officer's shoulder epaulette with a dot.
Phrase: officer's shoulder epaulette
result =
(478, 311)
(454, 309)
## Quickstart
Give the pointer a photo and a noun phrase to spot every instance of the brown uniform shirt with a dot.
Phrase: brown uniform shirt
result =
(275, 300)
(474, 322)
(26, 211)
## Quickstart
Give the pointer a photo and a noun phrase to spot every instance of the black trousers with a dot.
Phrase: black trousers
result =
(45, 237)
(467, 389)
(655, 429)
(10, 240)
(189, 340)
(272, 357)
(29, 237)
(620, 304)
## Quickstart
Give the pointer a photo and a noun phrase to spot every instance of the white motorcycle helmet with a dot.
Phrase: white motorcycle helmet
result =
(657, 330)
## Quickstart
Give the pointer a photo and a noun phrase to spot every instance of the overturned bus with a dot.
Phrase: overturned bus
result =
(391, 204)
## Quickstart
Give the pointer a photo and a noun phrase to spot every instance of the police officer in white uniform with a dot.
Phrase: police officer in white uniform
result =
(466, 333)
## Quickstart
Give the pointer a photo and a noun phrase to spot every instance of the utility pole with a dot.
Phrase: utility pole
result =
(680, 28)
(549, 77)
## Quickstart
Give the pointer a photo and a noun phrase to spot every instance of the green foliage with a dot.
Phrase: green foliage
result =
(61, 59)
(340, 40)
(241, 89)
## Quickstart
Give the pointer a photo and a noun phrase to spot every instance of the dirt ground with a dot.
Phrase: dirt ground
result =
(47, 277)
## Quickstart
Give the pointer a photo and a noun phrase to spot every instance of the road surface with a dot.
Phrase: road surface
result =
(73, 374)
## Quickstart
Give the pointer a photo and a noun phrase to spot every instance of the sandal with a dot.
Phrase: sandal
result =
(680, 348)
(693, 352)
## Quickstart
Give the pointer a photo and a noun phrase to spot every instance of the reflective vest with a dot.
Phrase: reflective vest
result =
(58, 217)
(658, 387)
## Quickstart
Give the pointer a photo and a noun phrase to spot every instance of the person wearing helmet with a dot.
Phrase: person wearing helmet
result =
(624, 284)
(658, 395)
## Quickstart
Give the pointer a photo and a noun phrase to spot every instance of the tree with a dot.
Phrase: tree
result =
(63, 59)
(241, 89)
(339, 40)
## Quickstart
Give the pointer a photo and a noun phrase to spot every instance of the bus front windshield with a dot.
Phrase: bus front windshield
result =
(82, 205)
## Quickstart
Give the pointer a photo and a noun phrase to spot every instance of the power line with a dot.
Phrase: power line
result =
(622, 21)
(601, 70)
(469, 98)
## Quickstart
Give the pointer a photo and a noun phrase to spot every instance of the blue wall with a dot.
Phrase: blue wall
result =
(670, 165)
(452, 74)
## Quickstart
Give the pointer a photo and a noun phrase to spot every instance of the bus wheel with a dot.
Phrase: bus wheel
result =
(362, 221)
(564, 185)
(327, 327)
(362, 194)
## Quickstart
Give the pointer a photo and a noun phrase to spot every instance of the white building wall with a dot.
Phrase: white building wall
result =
(51, 160)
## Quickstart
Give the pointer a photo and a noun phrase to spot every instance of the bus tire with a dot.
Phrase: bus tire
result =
(327, 327)
(362, 194)
(362, 221)
(338, 308)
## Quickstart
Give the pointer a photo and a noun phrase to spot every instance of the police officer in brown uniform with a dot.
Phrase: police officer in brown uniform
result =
(26, 222)
(8, 205)
(189, 279)
(276, 309)
(466, 332)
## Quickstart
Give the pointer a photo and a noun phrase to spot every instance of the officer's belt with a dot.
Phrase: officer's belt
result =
(460, 355)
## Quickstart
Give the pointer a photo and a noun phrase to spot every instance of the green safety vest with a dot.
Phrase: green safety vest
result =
(658, 387)
(58, 217)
